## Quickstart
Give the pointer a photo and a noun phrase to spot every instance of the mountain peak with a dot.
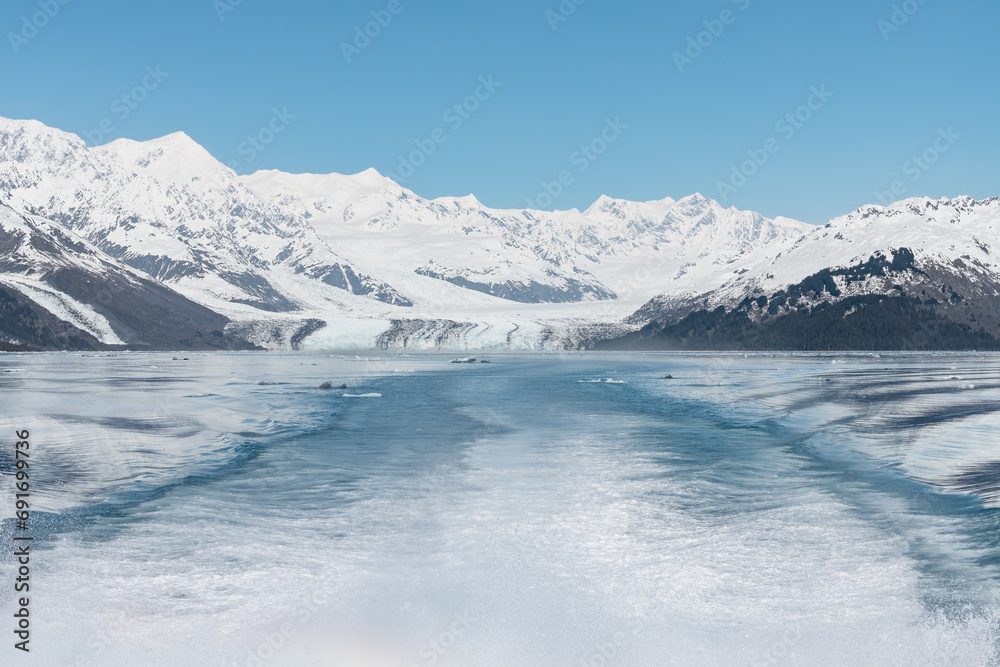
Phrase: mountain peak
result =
(605, 201)
(177, 139)
(35, 130)
(371, 178)
(370, 172)
(697, 198)
(17, 123)
(924, 207)
(179, 144)
(468, 200)
(175, 157)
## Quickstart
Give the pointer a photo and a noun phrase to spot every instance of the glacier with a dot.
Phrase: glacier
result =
(332, 261)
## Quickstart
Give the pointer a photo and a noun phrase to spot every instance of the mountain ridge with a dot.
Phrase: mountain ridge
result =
(333, 260)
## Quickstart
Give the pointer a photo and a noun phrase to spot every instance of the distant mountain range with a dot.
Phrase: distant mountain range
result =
(157, 245)
(920, 274)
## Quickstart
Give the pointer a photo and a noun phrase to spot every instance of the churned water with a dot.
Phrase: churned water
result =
(572, 509)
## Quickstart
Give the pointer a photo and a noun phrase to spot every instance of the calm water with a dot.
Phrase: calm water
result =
(763, 509)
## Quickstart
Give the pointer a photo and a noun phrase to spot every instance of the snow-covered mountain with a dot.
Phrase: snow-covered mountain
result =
(168, 208)
(523, 255)
(936, 259)
(59, 291)
(328, 261)
(274, 251)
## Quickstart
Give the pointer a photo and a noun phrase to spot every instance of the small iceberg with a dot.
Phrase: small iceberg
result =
(589, 381)
(362, 395)
(466, 360)
(613, 381)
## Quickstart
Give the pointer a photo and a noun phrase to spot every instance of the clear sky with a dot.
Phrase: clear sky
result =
(560, 72)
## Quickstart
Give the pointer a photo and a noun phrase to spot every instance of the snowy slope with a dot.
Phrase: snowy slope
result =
(335, 260)
(60, 290)
(280, 248)
(552, 271)
(170, 209)
(34, 248)
(915, 261)
(959, 233)
(610, 251)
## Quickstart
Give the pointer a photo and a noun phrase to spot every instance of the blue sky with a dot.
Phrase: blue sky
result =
(923, 82)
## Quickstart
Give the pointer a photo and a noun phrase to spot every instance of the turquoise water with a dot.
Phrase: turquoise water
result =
(763, 509)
